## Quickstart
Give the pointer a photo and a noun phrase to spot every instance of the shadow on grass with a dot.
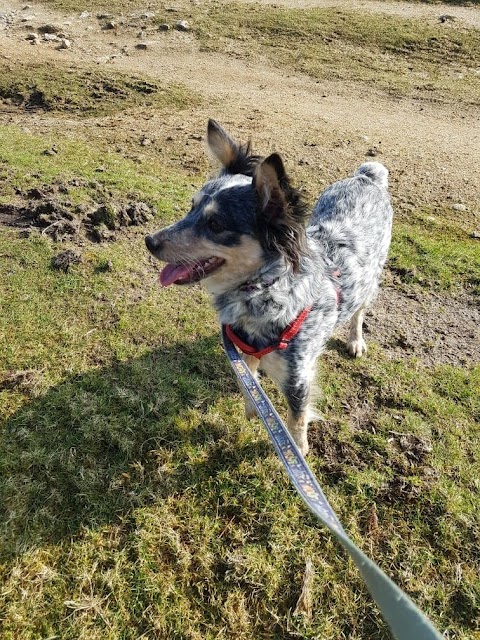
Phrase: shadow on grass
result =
(102, 443)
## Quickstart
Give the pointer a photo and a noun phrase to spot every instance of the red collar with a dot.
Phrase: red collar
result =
(287, 334)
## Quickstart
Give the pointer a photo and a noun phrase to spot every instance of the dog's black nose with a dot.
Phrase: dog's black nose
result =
(153, 245)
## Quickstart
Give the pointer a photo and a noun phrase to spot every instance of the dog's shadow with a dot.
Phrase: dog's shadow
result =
(100, 444)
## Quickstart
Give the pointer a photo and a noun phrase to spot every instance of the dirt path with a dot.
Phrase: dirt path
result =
(417, 141)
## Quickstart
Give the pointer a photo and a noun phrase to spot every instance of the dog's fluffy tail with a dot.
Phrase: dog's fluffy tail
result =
(376, 172)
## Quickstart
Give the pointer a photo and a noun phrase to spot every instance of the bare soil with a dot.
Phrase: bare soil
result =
(323, 128)
(435, 329)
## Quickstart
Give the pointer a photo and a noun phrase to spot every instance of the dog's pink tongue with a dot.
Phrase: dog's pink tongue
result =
(172, 272)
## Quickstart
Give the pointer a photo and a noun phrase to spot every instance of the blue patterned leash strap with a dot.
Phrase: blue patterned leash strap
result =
(404, 618)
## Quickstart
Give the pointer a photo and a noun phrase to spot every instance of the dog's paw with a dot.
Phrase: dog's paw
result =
(303, 447)
(357, 348)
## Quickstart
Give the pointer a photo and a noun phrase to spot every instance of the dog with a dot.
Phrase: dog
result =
(281, 279)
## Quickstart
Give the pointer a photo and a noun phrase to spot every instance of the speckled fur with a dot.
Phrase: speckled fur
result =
(332, 263)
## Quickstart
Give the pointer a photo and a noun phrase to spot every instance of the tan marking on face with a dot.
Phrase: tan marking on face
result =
(210, 209)
(197, 198)
(241, 261)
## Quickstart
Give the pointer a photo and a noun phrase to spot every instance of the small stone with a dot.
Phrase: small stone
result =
(64, 44)
(28, 18)
(182, 25)
(109, 25)
(459, 207)
(372, 152)
(50, 37)
(147, 15)
(475, 235)
(141, 46)
(163, 27)
(32, 36)
(85, 14)
(145, 141)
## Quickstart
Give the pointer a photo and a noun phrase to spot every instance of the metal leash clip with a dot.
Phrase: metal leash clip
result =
(404, 618)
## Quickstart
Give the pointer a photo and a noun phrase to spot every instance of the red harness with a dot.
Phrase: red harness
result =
(287, 334)
(285, 337)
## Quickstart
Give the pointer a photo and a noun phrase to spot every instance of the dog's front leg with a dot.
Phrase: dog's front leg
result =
(253, 364)
(299, 391)
(297, 422)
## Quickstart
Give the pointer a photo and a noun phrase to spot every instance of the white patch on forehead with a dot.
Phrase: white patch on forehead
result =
(237, 180)
(197, 198)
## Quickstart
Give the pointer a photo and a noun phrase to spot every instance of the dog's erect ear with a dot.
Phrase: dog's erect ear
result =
(269, 176)
(281, 211)
(223, 147)
(235, 158)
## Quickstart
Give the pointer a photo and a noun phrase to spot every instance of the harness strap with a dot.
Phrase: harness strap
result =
(285, 337)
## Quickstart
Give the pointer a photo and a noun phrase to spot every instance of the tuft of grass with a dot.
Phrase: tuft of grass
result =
(84, 92)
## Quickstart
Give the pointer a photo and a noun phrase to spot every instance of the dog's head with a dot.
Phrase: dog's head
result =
(248, 215)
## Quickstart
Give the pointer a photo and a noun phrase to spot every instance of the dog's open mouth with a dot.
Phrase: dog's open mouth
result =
(187, 273)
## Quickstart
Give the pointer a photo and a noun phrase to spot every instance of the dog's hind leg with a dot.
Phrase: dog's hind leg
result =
(253, 364)
(356, 345)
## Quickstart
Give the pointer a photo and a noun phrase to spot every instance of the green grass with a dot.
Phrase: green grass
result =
(436, 251)
(24, 165)
(84, 92)
(136, 501)
(402, 57)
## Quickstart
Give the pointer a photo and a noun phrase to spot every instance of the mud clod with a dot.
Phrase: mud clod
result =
(105, 215)
(50, 209)
(64, 260)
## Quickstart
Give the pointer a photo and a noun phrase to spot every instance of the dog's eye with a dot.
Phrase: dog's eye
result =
(215, 225)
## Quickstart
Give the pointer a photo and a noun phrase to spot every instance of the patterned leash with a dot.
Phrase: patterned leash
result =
(404, 618)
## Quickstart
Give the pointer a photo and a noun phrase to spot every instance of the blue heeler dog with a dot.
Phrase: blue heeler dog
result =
(280, 278)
